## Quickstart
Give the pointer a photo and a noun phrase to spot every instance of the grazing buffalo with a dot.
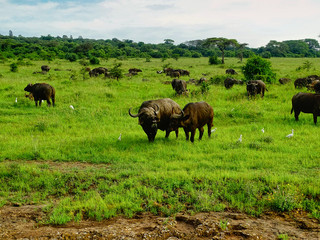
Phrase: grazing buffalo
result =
(231, 71)
(45, 68)
(255, 87)
(284, 80)
(183, 72)
(229, 82)
(174, 74)
(180, 86)
(307, 103)
(97, 71)
(134, 71)
(157, 114)
(195, 115)
(41, 91)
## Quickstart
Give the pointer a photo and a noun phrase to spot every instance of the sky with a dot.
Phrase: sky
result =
(254, 22)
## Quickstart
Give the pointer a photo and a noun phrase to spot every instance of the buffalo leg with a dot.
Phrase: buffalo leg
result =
(167, 133)
(177, 133)
(53, 100)
(48, 102)
(193, 132)
(315, 115)
(201, 130)
(209, 129)
(296, 115)
(187, 134)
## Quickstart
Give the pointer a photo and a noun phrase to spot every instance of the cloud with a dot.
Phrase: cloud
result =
(249, 21)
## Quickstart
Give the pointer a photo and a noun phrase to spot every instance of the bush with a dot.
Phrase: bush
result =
(213, 60)
(14, 67)
(72, 57)
(94, 61)
(258, 68)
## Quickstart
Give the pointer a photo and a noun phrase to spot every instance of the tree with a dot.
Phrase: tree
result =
(10, 33)
(221, 43)
(241, 47)
(168, 41)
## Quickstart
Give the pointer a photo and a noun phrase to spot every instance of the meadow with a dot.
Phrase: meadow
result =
(71, 161)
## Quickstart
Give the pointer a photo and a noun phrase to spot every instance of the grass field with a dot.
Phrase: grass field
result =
(267, 171)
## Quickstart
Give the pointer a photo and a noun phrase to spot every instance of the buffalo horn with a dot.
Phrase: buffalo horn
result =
(134, 116)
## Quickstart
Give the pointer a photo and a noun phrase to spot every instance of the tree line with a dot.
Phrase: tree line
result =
(50, 48)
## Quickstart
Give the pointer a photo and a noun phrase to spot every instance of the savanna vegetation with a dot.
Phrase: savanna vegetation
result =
(66, 47)
(70, 160)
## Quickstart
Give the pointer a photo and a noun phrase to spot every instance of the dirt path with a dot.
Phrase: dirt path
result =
(21, 223)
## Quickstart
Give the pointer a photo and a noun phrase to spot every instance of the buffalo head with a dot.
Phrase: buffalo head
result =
(148, 119)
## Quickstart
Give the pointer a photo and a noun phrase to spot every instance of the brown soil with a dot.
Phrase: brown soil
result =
(21, 223)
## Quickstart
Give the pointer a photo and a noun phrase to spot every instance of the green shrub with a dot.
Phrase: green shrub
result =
(213, 60)
(94, 61)
(258, 68)
(14, 67)
(72, 57)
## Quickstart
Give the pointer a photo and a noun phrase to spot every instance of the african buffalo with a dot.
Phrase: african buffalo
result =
(195, 115)
(284, 80)
(45, 68)
(134, 71)
(229, 82)
(255, 87)
(157, 114)
(41, 91)
(307, 103)
(180, 86)
(97, 71)
(231, 71)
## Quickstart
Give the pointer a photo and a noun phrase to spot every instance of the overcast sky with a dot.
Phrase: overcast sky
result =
(255, 22)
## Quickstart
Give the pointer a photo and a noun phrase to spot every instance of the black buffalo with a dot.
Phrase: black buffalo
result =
(229, 82)
(195, 115)
(134, 71)
(231, 71)
(180, 86)
(306, 103)
(256, 87)
(157, 114)
(97, 71)
(45, 68)
(41, 91)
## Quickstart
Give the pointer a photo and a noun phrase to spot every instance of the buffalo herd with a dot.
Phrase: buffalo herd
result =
(166, 115)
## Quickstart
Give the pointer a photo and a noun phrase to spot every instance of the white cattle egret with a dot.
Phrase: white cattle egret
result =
(262, 130)
(16, 100)
(213, 130)
(119, 138)
(71, 107)
(290, 135)
(240, 139)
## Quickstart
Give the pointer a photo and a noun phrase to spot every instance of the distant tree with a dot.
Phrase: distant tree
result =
(168, 41)
(221, 43)
(10, 33)
(241, 48)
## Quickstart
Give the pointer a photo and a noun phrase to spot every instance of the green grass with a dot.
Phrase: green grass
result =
(265, 172)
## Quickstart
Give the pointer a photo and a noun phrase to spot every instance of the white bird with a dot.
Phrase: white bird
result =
(262, 130)
(71, 107)
(240, 139)
(119, 138)
(290, 135)
(16, 100)
(213, 130)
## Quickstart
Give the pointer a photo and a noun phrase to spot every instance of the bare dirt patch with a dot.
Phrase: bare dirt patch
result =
(22, 223)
